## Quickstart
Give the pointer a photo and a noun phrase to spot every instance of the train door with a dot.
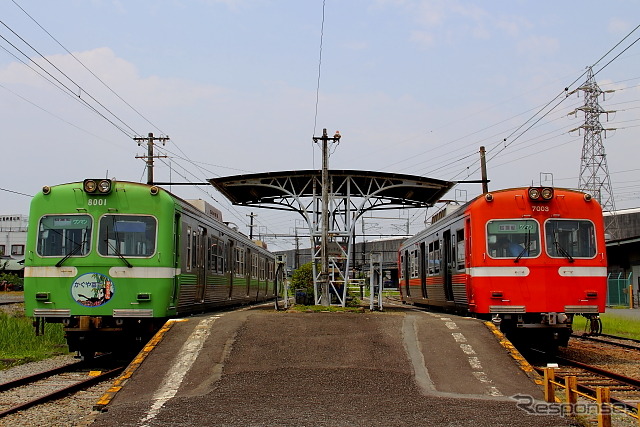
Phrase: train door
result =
(423, 269)
(200, 263)
(176, 259)
(447, 261)
(250, 268)
(405, 266)
(230, 265)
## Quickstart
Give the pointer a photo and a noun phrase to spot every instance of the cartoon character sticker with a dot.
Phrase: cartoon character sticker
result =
(92, 289)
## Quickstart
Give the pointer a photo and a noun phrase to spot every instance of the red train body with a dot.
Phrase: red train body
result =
(527, 258)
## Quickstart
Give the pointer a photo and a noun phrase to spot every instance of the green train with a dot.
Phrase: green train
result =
(112, 261)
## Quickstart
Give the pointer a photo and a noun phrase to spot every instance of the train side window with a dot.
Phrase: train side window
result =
(435, 256)
(513, 238)
(460, 247)
(2, 249)
(570, 238)
(402, 266)
(263, 274)
(212, 245)
(60, 235)
(240, 262)
(188, 257)
(269, 270)
(413, 264)
(254, 266)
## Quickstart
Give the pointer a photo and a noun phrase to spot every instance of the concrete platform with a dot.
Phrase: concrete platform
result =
(259, 367)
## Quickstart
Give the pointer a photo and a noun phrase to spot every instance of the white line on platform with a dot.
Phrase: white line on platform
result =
(183, 362)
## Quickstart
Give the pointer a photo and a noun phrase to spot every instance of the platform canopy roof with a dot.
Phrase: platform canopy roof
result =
(284, 190)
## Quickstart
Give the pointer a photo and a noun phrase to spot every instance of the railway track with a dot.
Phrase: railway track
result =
(45, 386)
(624, 390)
(628, 343)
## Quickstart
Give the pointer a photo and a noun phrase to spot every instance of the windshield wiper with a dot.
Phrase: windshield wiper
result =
(527, 245)
(115, 249)
(71, 253)
(560, 249)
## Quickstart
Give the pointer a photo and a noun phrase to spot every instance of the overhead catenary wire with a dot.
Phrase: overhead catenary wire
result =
(80, 88)
(87, 68)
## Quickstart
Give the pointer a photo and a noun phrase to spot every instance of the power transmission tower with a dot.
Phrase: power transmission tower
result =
(150, 156)
(594, 172)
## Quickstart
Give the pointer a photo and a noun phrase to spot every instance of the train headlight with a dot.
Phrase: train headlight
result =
(547, 193)
(104, 186)
(534, 193)
(587, 197)
(46, 189)
(90, 185)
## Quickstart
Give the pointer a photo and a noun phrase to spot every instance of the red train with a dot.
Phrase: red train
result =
(529, 259)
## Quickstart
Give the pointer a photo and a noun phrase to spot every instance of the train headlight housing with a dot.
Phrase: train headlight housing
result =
(97, 186)
(542, 194)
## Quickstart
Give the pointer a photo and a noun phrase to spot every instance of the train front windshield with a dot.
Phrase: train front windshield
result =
(513, 238)
(64, 235)
(127, 235)
(570, 238)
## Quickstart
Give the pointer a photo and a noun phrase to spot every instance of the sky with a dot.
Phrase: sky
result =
(242, 86)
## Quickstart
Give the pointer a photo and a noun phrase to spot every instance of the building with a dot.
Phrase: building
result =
(623, 256)
(13, 238)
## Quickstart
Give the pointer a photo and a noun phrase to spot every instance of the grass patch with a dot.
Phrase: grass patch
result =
(612, 324)
(19, 343)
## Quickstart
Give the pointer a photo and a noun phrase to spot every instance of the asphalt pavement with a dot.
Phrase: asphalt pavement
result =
(259, 367)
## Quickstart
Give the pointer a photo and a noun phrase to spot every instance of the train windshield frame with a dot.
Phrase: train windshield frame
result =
(64, 235)
(131, 236)
(570, 238)
(513, 238)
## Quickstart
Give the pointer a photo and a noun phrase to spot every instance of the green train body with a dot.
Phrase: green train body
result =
(112, 261)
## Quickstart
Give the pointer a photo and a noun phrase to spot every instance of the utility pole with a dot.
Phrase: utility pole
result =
(324, 246)
(251, 225)
(594, 172)
(483, 169)
(150, 156)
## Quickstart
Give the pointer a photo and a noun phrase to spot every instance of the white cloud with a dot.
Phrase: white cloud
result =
(538, 45)
(423, 38)
(618, 26)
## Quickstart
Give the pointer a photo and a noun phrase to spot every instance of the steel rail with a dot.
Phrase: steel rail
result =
(64, 391)
(40, 375)
(616, 344)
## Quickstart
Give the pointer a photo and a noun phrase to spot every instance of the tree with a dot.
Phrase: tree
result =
(302, 280)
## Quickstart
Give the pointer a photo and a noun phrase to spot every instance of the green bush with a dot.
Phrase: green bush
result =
(302, 278)
(13, 279)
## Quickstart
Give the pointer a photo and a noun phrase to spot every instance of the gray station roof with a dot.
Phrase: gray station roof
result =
(279, 190)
